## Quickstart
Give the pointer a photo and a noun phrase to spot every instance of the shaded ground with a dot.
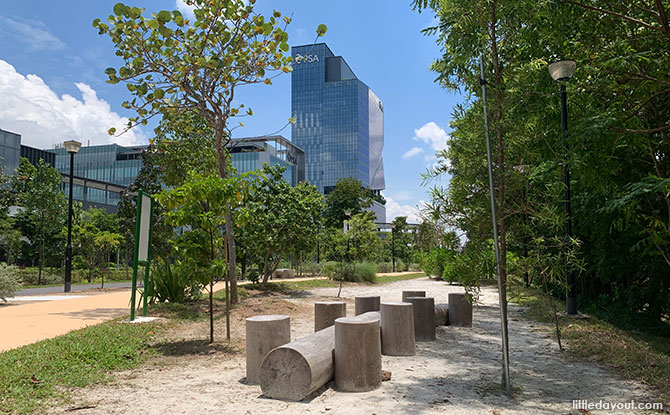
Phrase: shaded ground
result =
(457, 374)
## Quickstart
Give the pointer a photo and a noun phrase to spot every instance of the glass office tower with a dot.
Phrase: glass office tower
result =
(339, 122)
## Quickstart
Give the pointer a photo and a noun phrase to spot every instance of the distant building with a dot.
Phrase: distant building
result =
(10, 151)
(251, 153)
(339, 122)
(101, 173)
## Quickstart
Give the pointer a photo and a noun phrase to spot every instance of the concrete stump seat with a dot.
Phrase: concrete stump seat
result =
(358, 354)
(424, 318)
(460, 310)
(264, 333)
(407, 294)
(325, 313)
(365, 304)
(442, 314)
(397, 325)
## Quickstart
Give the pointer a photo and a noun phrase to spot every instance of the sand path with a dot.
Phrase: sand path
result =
(457, 374)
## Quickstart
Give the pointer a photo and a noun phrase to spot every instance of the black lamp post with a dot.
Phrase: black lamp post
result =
(561, 72)
(72, 147)
(393, 245)
(347, 213)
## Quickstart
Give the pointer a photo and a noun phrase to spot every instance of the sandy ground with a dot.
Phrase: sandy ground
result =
(457, 374)
(23, 322)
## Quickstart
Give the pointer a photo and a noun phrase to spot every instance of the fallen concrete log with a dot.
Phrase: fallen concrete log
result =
(297, 369)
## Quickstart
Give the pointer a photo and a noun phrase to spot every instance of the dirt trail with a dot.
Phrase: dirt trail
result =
(457, 374)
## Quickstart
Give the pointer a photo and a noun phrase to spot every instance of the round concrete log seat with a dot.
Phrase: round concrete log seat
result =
(397, 325)
(424, 318)
(325, 313)
(407, 294)
(442, 314)
(295, 370)
(460, 310)
(358, 354)
(264, 333)
(365, 304)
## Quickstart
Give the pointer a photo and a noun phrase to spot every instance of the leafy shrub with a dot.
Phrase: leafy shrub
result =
(352, 272)
(385, 267)
(312, 268)
(365, 271)
(400, 265)
(170, 283)
(414, 267)
(330, 269)
(29, 276)
(435, 261)
(9, 281)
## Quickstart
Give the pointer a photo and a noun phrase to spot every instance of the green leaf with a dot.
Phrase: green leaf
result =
(164, 16)
(110, 71)
(119, 8)
(321, 30)
(111, 131)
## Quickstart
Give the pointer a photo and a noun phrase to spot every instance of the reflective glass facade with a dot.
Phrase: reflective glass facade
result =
(339, 121)
(107, 163)
(253, 153)
(10, 151)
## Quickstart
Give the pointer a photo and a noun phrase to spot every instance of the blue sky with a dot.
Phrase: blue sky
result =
(52, 82)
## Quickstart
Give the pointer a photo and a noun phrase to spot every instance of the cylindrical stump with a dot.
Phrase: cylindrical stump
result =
(325, 313)
(460, 311)
(264, 333)
(407, 294)
(358, 354)
(442, 314)
(365, 304)
(424, 318)
(397, 325)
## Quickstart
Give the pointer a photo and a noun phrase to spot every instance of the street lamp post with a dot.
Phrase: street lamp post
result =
(72, 147)
(561, 72)
(393, 245)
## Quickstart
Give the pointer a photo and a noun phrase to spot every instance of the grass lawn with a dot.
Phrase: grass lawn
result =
(632, 355)
(33, 375)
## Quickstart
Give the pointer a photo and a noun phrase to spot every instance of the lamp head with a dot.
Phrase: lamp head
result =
(72, 146)
(562, 70)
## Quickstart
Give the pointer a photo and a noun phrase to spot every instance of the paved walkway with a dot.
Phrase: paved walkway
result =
(75, 288)
(22, 324)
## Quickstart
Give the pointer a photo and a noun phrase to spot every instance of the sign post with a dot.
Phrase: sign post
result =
(142, 254)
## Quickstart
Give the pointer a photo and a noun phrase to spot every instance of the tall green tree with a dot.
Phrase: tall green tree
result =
(173, 65)
(283, 219)
(348, 195)
(40, 195)
(200, 206)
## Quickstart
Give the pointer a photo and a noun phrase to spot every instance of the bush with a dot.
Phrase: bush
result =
(312, 268)
(358, 272)
(385, 267)
(414, 267)
(170, 283)
(365, 271)
(9, 281)
(400, 265)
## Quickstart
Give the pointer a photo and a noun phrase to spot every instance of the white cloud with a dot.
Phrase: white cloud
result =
(432, 134)
(34, 33)
(412, 152)
(394, 209)
(185, 9)
(31, 108)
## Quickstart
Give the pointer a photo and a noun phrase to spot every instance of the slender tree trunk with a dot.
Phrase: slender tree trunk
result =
(41, 261)
(211, 310)
(500, 161)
